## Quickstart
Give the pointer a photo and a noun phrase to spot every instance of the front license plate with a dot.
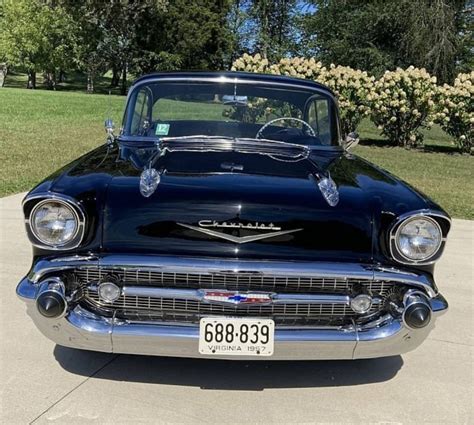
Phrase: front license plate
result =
(236, 337)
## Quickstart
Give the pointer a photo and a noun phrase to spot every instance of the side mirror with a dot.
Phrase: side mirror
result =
(109, 129)
(352, 140)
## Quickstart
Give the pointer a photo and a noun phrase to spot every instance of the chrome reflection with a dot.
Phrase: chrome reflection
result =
(328, 189)
(149, 181)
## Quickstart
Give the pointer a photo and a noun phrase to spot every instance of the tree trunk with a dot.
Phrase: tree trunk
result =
(3, 73)
(90, 82)
(61, 76)
(123, 88)
(50, 80)
(115, 77)
(31, 79)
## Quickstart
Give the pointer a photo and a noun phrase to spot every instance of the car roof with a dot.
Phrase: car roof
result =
(197, 75)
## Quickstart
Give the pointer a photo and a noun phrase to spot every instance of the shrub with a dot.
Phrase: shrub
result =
(455, 110)
(251, 64)
(403, 103)
(351, 87)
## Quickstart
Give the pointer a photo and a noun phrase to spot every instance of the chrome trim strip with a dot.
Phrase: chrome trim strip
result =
(217, 265)
(202, 143)
(311, 299)
(141, 291)
(60, 198)
(237, 239)
(428, 213)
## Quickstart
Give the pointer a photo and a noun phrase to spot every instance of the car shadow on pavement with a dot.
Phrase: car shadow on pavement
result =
(229, 375)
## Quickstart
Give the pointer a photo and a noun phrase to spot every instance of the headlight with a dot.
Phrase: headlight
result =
(418, 239)
(54, 222)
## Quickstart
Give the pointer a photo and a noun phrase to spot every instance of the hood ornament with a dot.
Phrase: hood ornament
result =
(327, 187)
(149, 181)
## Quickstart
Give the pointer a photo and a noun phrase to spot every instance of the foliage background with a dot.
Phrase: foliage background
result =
(126, 36)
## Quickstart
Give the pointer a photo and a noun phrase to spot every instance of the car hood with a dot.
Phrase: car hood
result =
(239, 205)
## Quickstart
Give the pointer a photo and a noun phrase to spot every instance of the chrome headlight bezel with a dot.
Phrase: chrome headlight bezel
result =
(68, 203)
(442, 223)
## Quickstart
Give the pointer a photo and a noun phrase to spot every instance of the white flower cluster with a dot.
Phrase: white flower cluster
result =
(402, 103)
(455, 110)
(251, 64)
(353, 89)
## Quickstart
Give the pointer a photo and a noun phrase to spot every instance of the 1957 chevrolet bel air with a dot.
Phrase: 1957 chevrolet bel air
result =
(229, 220)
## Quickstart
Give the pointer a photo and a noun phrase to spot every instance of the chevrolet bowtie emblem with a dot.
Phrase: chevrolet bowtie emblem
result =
(239, 239)
(235, 298)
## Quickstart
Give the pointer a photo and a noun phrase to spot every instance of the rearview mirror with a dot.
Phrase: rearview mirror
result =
(234, 100)
(352, 140)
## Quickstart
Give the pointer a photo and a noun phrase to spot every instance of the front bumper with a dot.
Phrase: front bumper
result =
(82, 329)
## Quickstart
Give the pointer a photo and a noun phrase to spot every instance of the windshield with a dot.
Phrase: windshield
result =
(229, 109)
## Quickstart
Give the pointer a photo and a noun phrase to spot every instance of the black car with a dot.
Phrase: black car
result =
(229, 219)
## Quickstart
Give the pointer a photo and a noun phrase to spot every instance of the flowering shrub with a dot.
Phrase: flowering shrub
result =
(402, 103)
(251, 64)
(455, 110)
(351, 87)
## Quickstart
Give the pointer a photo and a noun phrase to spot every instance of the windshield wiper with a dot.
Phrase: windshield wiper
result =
(275, 149)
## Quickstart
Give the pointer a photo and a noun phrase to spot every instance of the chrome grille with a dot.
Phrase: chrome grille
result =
(235, 281)
(145, 307)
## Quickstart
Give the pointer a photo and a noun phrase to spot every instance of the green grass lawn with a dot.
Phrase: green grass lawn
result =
(43, 130)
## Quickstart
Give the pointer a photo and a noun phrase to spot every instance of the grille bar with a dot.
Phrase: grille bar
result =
(191, 310)
(235, 281)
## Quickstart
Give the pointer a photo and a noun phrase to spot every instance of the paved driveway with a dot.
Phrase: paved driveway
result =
(44, 383)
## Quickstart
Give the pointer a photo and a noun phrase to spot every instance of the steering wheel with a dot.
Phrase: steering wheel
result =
(265, 126)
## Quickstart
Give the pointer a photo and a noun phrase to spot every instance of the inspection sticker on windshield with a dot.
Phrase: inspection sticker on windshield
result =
(162, 129)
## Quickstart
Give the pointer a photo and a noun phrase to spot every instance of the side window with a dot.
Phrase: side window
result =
(322, 111)
(141, 113)
(320, 119)
(312, 117)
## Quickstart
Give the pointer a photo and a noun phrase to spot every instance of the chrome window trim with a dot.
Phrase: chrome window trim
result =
(62, 199)
(412, 215)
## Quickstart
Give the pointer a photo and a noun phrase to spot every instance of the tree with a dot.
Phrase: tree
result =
(274, 27)
(90, 56)
(197, 33)
(376, 35)
(38, 37)
(110, 34)
(433, 39)
(239, 31)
